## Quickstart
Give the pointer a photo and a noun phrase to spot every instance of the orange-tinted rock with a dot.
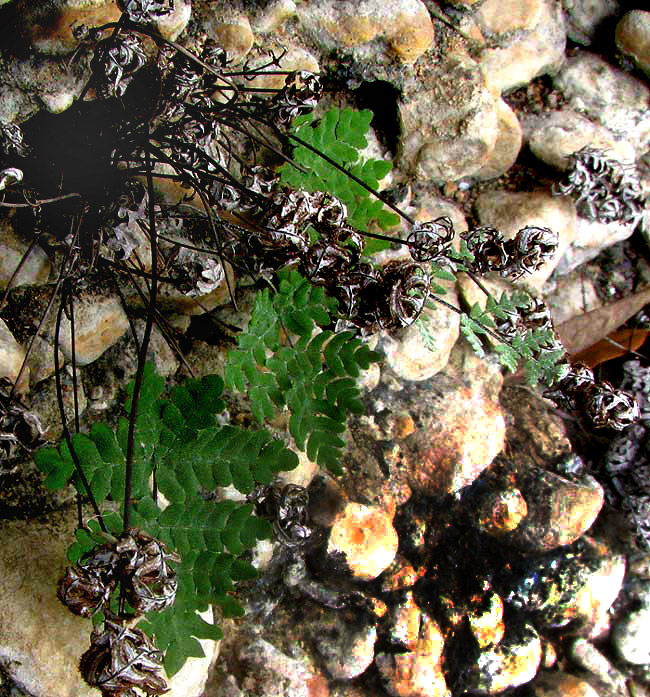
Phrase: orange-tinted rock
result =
(559, 510)
(486, 623)
(366, 537)
(398, 576)
(458, 446)
(50, 31)
(501, 511)
(548, 684)
(460, 425)
(405, 25)
(405, 623)
(99, 323)
(512, 662)
(417, 673)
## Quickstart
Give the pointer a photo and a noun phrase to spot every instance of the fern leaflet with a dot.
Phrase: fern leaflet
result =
(314, 378)
(341, 134)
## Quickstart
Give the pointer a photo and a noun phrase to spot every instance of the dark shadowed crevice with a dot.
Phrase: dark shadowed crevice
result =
(382, 99)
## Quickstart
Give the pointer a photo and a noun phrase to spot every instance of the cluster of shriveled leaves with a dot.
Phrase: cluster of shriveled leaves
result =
(605, 190)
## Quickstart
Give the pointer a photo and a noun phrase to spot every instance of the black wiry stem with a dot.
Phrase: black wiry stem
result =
(66, 431)
(41, 202)
(458, 311)
(478, 282)
(354, 178)
(73, 349)
(21, 263)
(142, 356)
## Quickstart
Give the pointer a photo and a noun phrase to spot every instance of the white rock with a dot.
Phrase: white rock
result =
(591, 238)
(617, 100)
(422, 349)
(12, 355)
(449, 120)
(99, 323)
(631, 637)
(554, 136)
(47, 81)
(526, 54)
(171, 26)
(586, 17)
(35, 270)
(573, 294)
(507, 146)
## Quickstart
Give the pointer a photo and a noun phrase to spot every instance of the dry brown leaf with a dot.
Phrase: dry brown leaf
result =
(583, 331)
(605, 350)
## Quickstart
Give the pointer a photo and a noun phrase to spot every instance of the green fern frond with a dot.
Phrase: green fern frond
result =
(192, 456)
(313, 378)
(341, 135)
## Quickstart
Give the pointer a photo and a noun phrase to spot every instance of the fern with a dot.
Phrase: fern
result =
(191, 455)
(538, 348)
(314, 379)
(341, 135)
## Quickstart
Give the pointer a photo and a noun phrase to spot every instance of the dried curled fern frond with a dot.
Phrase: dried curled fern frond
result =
(314, 378)
(605, 189)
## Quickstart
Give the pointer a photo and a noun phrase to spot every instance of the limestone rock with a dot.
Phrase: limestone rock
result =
(560, 684)
(346, 649)
(274, 15)
(417, 673)
(460, 425)
(422, 349)
(449, 120)
(486, 623)
(559, 510)
(633, 38)
(591, 238)
(631, 637)
(363, 539)
(35, 270)
(268, 672)
(160, 352)
(526, 53)
(507, 144)
(536, 434)
(172, 25)
(405, 26)
(295, 58)
(573, 294)
(48, 26)
(617, 100)
(32, 558)
(500, 17)
(47, 81)
(15, 105)
(554, 136)
(578, 583)
(500, 512)
(230, 28)
(99, 323)
(12, 356)
(403, 620)
(585, 18)
(45, 404)
(512, 662)
(510, 211)
(597, 669)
